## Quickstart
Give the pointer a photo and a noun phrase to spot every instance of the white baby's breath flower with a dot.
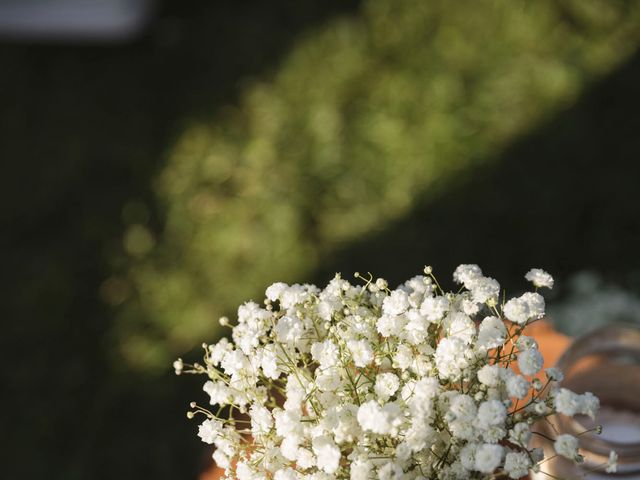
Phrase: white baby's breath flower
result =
(525, 343)
(274, 291)
(327, 454)
(419, 435)
(463, 407)
(530, 361)
(470, 307)
(527, 307)
(612, 462)
(462, 429)
(461, 326)
(381, 420)
(490, 413)
(535, 304)
(221, 459)
(269, 362)
(286, 473)
(466, 273)
(567, 446)
(218, 351)
(289, 330)
(517, 310)
(520, 434)
(386, 385)
(488, 457)
(416, 329)
(517, 464)
(390, 471)
(234, 362)
(360, 470)
(218, 392)
(589, 404)
(434, 308)
(451, 357)
(540, 408)
(468, 456)
(492, 333)
(361, 352)
(178, 366)
(396, 303)
(489, 375)
(566, 402)
(328, 380)
(244, 471)
(210, 430)
(517, 386)
(539, 278)
(484, 289)
(305, 459)
(288, 423)
(261, 420)
(554, 374)
(388, 325)
(325, 353)
(403, 357)
(369, 414)
(290, 447)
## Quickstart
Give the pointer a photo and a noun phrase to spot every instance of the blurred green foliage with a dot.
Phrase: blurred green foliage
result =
(365, 118)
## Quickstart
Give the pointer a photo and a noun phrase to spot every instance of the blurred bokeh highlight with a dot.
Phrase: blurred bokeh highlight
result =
(154, 181)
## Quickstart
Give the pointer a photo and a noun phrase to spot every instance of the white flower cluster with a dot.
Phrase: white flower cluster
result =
(362, 382)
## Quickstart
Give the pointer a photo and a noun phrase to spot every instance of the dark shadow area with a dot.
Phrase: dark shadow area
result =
(565, 198)
(83, 130)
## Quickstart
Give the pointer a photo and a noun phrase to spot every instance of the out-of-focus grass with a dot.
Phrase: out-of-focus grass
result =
(366, 118)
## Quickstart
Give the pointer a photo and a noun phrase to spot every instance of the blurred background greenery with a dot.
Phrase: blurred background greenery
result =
(150, 187)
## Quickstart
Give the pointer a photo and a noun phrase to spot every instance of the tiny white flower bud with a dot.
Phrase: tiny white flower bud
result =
(178, 366)
(381, 283)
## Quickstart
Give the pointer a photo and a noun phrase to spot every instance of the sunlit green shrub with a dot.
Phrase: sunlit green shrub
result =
(366, 117)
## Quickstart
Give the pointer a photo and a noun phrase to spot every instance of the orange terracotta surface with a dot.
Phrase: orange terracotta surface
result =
(552, 344)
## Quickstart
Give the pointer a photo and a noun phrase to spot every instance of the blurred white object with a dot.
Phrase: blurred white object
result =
(593, 303)
(102, 20)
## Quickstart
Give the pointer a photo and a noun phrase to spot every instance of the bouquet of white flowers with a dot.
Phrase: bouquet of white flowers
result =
(362, 382)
